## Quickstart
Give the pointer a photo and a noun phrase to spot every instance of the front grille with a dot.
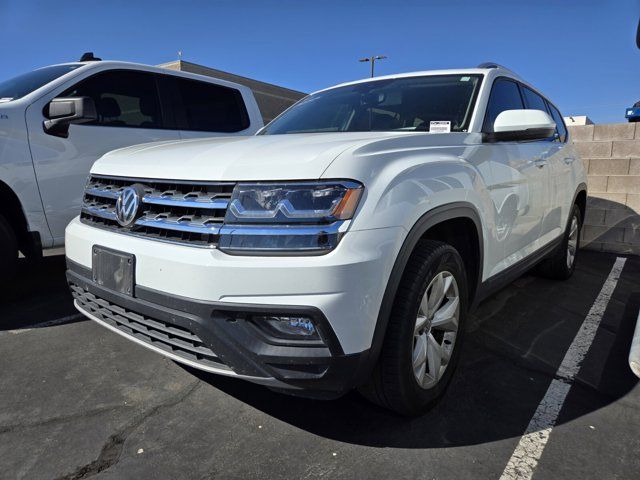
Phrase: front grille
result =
(167, 336)
(181, 212)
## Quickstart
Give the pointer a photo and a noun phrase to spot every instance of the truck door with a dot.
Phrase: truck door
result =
(129, 113)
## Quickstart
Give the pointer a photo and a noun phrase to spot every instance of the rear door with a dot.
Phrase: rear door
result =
(562, 168)
(129, 113)
(546, 154)
(204, 109)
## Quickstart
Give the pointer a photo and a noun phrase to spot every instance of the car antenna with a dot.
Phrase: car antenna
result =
(88, 57)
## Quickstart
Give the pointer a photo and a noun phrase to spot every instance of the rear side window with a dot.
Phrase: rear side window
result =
(532, 100)
(560, 126)
(210, 108)
(505, 95)
(123, 98)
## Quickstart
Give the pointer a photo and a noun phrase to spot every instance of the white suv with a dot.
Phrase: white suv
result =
(56, 121)
(344, 244)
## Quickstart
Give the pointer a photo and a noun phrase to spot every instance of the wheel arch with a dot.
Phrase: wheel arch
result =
(11, 209)
(580, 199)
(431, 225)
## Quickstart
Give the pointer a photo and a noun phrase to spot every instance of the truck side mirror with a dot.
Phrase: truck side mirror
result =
(62, 112)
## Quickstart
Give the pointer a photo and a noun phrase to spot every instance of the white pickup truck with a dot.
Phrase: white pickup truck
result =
(344, 244)
(56, 121)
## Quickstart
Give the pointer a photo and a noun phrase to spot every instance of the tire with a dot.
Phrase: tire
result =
(560, 265)
(8, 251)
(395, 384)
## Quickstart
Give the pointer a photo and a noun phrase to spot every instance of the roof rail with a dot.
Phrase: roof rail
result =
(496, 65)
(88, 57)
(492, 65)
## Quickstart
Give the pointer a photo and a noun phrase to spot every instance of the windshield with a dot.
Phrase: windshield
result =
(18, 87)
(411, 103)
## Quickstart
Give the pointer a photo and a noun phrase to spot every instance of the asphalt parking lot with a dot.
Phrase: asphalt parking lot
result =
(79, 401)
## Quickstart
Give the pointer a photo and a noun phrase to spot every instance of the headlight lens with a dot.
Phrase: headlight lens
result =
(293, 218)
(288, 203)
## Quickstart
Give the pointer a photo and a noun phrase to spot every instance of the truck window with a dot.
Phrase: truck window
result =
(123, 98)
(18, 87)
(505, 95)
(207, 107)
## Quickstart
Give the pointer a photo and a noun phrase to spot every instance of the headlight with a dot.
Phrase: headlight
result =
(288, 203)
(293, 217)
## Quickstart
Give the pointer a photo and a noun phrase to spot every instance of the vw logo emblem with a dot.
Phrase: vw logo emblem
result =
(128, 205)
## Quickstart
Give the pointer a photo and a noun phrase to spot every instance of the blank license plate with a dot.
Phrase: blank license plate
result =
(113, 270)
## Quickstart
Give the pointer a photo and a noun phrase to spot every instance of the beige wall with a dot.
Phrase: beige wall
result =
(611, 156)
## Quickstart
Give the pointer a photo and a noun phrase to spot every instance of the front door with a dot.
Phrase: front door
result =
(519, 187)
(129, 113)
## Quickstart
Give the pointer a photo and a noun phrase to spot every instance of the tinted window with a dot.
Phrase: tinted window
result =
(123, 98)
(211, 108)
(560, 127)
(505, 95)
(22, 85)
(532, 100)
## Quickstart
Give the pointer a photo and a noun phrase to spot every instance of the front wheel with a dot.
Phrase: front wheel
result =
(562, 263)
(422, 343)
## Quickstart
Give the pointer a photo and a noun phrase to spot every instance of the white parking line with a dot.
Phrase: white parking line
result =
(524, 460)
(50, 323)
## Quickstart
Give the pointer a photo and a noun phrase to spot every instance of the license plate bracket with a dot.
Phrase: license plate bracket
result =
(113, 270)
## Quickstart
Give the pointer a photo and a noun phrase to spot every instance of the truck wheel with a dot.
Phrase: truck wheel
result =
(8, 251)
(562, 263)
(422, 343)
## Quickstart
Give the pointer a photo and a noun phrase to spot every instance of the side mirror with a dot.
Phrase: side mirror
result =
(521, 125)
(62, 112)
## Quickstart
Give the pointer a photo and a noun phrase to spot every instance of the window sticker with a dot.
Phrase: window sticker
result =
(465, 79)
(440, 126)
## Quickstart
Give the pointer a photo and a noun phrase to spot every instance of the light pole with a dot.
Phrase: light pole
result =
(373, 61)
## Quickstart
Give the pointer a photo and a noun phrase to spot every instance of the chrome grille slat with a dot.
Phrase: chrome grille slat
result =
(179, 226)
(102, 212)
(214, 204)
(106, 193)
(180, 212)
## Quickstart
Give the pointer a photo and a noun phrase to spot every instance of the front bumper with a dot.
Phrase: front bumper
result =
(206, 298)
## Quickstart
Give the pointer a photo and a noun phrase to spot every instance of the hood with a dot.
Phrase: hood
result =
(263, 157)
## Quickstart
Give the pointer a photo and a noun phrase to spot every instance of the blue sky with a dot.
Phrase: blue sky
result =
(581, 53)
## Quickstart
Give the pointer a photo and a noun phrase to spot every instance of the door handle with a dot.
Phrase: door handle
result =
(539, 162)
(569, 160)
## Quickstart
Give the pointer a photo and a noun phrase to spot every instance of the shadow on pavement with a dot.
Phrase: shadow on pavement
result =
(515, 342)
(39, 294)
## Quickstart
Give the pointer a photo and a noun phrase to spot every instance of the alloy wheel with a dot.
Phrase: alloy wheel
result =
(435, 329)
(572, 244)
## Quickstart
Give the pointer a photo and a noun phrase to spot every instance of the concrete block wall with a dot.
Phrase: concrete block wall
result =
(611, 156)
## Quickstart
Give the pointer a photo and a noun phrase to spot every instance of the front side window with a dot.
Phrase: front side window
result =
(211, 108)
(505, 95)
(384, 105)
(123, 98)
(24, 84)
